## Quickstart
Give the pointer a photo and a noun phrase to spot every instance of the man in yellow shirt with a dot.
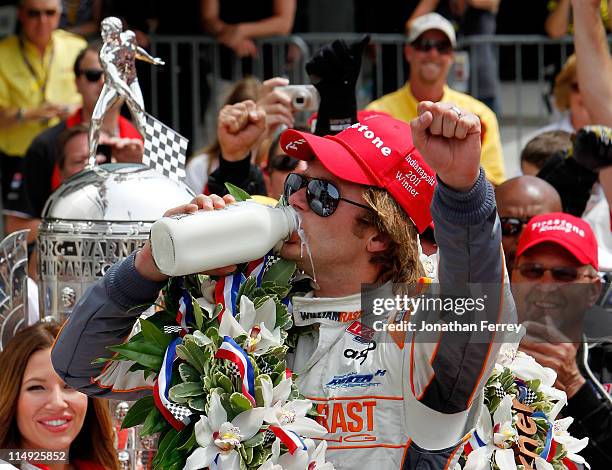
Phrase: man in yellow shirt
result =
(430, 55)
(36, 85)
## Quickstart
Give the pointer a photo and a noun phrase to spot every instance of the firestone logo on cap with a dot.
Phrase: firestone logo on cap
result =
(559, 225)
(373, 138)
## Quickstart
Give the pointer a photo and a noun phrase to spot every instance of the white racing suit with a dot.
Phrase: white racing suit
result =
(387, 400)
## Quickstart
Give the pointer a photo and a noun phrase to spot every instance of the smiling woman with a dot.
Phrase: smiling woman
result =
(38, 411)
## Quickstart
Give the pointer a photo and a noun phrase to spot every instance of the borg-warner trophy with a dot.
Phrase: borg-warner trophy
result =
(101, 215)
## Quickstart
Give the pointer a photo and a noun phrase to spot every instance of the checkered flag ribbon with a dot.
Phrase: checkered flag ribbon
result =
(269, 437)
(165, 150)
(530, 397)
(172, 329)
(499, 391)
(233, 369)
(180, 412)
(264, 367)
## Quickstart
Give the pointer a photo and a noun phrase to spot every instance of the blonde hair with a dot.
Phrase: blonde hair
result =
(563, 83)
(400, 262)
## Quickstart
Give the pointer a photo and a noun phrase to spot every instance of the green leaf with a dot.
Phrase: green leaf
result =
(191, 442)
(154, 334)
(198, 403)
(239, 194)
(239, 403)
(185, 354)
(188, 373)
(168, 447)
(151, 361)
(154, 422)
(223, 381)
(257, 440)
(186, 389)
(280, 272)
(198, 314)
(138, 412)
(197, 353)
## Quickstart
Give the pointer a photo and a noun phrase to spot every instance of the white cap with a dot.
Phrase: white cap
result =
(431, 21)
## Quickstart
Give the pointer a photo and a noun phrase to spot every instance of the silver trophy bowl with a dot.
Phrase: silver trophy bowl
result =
(95, 219)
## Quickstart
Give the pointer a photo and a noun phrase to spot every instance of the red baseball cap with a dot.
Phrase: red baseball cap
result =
(571, 233)
(378, 151)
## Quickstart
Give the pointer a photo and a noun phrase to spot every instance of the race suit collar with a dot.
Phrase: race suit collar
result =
(310, 310)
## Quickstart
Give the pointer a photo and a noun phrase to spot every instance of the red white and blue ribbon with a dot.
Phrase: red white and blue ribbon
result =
(230, 350)
(185, 312)
(178, 416)
(291, 440)
(473, 443)
(226, 292)
(256, 269)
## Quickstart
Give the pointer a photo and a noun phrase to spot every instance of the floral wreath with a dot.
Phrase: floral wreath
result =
(224, 398)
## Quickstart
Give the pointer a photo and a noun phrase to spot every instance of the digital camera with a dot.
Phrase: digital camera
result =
(303, 97)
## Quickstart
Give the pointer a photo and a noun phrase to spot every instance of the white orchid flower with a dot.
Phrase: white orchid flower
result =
(218, 439)
(312, 459)
(288, 415)
(498, 437)
(526, 367)
(571, 445)
(259, 326)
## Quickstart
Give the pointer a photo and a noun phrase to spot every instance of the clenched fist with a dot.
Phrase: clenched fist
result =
(448, 138)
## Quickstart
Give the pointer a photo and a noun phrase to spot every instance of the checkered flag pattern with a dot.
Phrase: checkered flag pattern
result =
(499, 392)
(530, 397)
(233, 369)
(269, 437)
(172, 329)
(264, 367)
(270, 260)
(165, 150)
(180, 412)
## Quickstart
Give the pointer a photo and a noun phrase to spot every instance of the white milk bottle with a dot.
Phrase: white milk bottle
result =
(204, 240)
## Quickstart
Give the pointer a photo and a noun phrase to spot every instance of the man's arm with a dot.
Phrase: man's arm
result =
(424, 7)
(104, 316)
(469, 241)
(594, 65)
(558, 20)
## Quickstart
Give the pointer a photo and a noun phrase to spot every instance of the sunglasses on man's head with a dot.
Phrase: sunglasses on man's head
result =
(34, 13)
(323, 196)
(512, 225)
(426, 45)
(559, 273)
(92, 75)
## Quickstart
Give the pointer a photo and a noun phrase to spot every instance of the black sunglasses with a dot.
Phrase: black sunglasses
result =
(426, 45)
(322, 195)
(92, 75)
(559, 273)
(512, 225)
(33, 13)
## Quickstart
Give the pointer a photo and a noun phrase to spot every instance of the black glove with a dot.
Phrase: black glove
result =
(572, 181)
(334, 71)
(593, 147)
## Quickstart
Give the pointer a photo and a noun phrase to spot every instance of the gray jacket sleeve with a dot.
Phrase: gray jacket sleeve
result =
(468, 235)
(105, 316)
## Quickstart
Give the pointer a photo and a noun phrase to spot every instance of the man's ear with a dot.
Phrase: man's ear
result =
(594, 292)
(377, 242)
(408, 51)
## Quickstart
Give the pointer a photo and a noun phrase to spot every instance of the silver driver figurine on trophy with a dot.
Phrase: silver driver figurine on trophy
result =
(99, 216)
(118, 56)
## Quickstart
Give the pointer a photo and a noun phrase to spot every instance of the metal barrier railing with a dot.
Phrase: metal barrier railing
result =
(199, 69)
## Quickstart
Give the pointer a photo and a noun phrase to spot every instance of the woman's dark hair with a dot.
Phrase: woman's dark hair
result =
(94, 443)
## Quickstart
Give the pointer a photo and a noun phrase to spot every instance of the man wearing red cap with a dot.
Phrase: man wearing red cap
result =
(555, 284)
(366, 193)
